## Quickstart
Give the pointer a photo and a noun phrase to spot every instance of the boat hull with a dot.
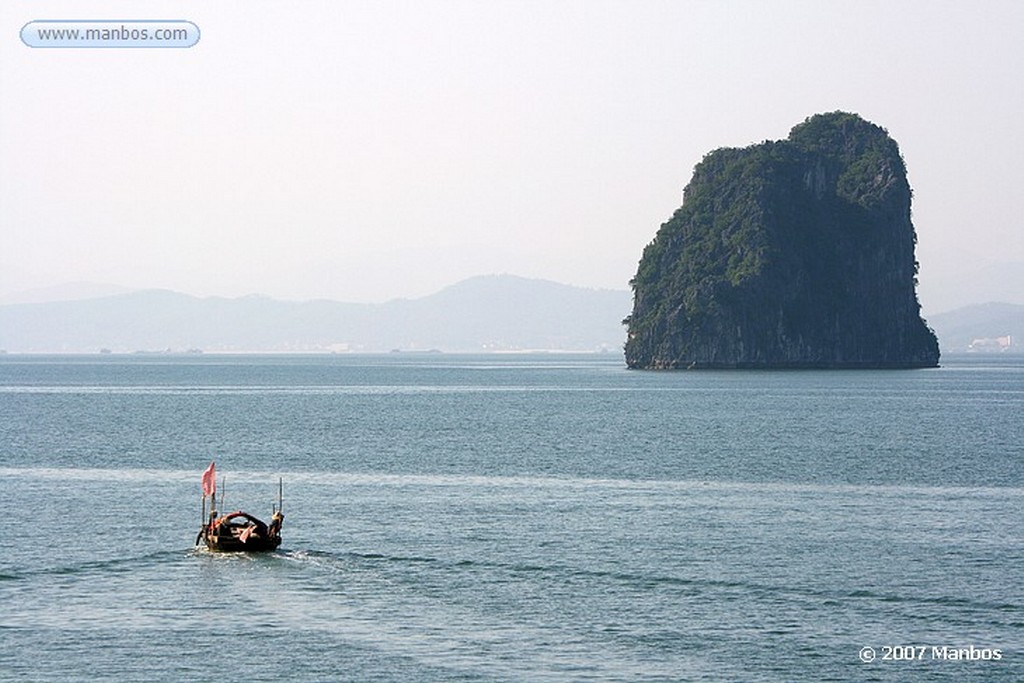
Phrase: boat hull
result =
(241, 532)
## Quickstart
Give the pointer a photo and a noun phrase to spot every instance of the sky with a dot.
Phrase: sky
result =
(364, 151)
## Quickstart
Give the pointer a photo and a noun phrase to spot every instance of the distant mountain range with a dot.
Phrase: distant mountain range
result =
(981, 327)
(487, 313)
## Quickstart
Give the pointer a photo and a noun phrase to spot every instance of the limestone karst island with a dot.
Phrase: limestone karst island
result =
(790, 254)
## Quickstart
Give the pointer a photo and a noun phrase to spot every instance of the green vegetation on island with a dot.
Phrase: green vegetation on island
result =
(794, 253)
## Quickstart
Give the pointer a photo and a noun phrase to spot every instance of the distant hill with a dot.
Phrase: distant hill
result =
(958, 329)
(500, 312)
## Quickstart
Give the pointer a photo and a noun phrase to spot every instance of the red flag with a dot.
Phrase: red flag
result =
(209, 481)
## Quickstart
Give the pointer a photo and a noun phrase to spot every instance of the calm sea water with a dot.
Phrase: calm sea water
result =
(511, 518)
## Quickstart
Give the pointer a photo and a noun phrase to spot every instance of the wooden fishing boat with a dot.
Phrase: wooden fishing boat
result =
(237, 531)
(241, 532)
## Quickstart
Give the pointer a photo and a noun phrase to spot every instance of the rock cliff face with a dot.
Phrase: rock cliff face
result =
(797, 253)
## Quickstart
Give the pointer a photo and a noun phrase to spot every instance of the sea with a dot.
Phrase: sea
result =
(511, 517)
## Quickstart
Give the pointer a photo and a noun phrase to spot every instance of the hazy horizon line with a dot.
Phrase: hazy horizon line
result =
(88, 289)
(81, 290)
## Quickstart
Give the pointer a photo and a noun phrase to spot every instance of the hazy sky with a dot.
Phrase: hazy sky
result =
(370, 150)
